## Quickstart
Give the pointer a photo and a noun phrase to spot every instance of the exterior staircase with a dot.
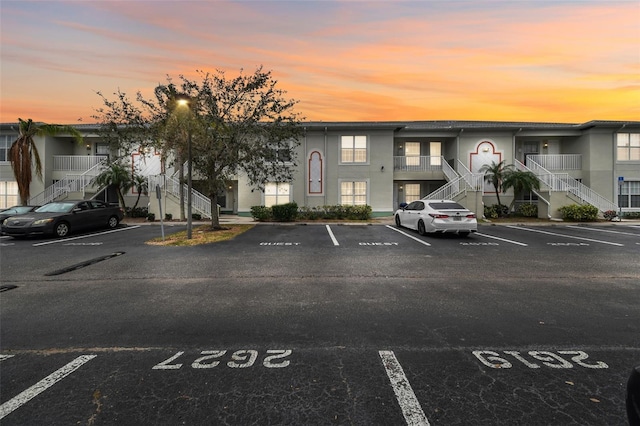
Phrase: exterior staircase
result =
(171, 186)
(69, 184)
(562, 182)
(457, 184)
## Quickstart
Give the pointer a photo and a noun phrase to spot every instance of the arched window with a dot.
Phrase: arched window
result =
(316, 183)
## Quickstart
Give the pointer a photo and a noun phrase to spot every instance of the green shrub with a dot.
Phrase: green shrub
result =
(196, 216)
(151, 217)
(137, 212)
(631, 215)
(310, 213)
(527, 210)
(290, 212)
(261, 213)
(495, 211)
(579, 213)
(285, 212)
(358, 212)
(168, 216)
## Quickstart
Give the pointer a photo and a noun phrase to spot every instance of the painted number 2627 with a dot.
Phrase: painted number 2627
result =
(239, 359)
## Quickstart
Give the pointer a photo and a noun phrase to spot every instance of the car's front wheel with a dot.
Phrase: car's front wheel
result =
(398, 223)
(421, 228)
(113, 222)
(62, 229)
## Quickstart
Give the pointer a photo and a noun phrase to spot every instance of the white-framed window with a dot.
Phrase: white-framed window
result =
(629, 196)
(411, 192)
(353, 193)
(353, 149)
(277, 193)
(628, 145)
(5, 144)
(435, 153)
(9, 194)
(412, 153)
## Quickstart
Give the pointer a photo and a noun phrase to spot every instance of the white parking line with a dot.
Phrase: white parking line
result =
(501, 239)
(408, 235)
(564, 235)
(64, 240)
(44, 384)
(409, 404)
(589, 228)
(3, 357)
(333, 238)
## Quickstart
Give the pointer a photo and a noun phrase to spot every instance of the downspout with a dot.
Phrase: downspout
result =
(324, 190)
(458, 144)
(513, 145)
(614, 179)
(306, 167)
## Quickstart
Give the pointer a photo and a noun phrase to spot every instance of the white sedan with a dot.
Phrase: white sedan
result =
(437, 216)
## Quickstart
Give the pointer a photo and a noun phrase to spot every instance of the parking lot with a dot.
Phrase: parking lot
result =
(322, 324)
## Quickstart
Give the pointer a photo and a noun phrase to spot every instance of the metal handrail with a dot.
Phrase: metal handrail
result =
(448, 170)
(421, 163)
(557, 161)
(70, 183)
(448, 191)
(199, 202)
(565, 183)
(475, 181)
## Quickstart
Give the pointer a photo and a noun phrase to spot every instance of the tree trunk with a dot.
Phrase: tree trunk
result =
(215, 217)
(181, 189)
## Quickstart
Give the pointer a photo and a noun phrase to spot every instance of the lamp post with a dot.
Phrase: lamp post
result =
(185, 100)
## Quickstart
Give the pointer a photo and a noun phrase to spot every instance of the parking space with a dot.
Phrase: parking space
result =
(310, 386)
(323, 324)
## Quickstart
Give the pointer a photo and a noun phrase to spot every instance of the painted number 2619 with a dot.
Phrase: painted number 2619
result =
(239, 359)
(548, 359)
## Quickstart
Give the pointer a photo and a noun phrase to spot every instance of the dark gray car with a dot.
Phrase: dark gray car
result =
(15, 211)
(62, 217)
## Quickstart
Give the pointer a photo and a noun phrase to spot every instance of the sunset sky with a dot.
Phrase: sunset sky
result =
(556, 61)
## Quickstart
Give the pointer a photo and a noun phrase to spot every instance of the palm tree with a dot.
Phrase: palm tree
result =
(141, 184)
(118, 176)
(23, 153)
(495, 174)
(521, 182)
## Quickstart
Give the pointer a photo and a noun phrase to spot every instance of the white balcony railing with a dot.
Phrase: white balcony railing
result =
(422, 163)
(76, 163)
(73, 182)
(557, 161)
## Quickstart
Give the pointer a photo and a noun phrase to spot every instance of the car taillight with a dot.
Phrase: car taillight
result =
(438, 216)
(471, 216)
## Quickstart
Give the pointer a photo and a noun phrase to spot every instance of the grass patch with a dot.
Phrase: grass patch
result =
(201, 235)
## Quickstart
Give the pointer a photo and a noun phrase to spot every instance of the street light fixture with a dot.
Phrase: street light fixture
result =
(185, 100)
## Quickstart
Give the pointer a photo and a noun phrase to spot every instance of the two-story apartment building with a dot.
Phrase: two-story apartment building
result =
(383, 164)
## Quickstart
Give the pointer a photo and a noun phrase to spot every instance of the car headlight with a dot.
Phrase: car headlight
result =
(42, 221)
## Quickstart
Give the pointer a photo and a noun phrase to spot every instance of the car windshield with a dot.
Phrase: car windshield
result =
(446, 206)
(55, 208)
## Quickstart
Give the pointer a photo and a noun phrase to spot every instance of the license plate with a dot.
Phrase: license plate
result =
(458, 218)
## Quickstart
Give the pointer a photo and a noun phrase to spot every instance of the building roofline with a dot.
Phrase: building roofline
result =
(427, 125)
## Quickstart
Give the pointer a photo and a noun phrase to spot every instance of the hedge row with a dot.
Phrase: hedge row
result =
(579, 213)
(290, 212)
